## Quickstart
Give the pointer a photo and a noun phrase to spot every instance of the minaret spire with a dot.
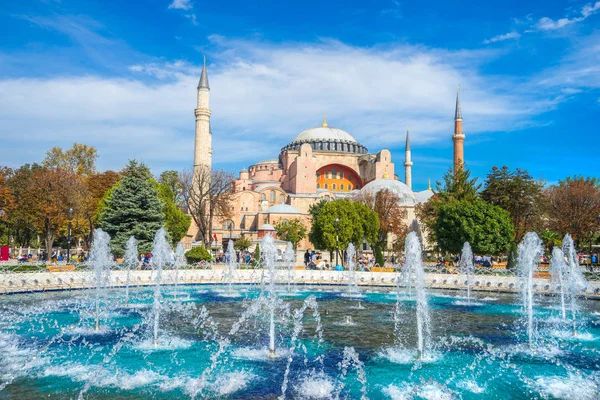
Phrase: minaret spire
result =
(458, 138)
(407, 162)
(324, 124)
(203, 142)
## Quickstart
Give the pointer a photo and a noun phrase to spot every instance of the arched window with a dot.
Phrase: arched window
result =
(318, 186)
(318, 175)
(228, 225)
(342, 187)
(333, 187)
(349, 187)
(263, 197)
(272, 196)
(281, 198)
(341, 174)
(326, 186)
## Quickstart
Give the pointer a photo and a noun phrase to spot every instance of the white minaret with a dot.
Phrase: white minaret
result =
(407, 163)
(203, 143)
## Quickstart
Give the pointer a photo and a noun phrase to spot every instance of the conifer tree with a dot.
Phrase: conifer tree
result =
(132, 208)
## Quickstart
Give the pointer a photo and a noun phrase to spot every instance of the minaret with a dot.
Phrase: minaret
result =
(203, 143)
(458, 138)
(407, 162)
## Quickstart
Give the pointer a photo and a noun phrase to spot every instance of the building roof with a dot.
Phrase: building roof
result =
(458, 110)
(203, 83)
(324, 133)
(406, 195)
(271, 161)
(266, 186)
(266, 227)
(423, 195)
(282, 209)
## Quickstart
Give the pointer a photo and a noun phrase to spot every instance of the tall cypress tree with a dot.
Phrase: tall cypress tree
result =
(132, 208)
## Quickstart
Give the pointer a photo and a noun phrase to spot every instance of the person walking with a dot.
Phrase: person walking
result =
(306, 258)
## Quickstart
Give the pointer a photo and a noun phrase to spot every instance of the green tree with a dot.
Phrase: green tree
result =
(176, 222)
(550, 239)
(292, 230)
(79, 159)
(357, 222)
(242, 244)
(257, 253)
(197, 254)
(132, 208)
(519, 194)
(172, 180)
(486, 227)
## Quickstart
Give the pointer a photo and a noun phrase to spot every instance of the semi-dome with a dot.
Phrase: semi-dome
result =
(266, 227)
(282, 209)
(327, 139)
(406, 195)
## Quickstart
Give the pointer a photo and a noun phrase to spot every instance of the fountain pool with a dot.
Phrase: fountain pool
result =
(49, 347)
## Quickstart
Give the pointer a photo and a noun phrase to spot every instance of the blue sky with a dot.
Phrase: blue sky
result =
(122, 76)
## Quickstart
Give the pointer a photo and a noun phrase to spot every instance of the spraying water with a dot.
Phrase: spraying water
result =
(232, 262)
(161, 255)
(530, 251)
(131, 262)
(100, 258)
(466, 267)
(571, 277)
(414, 268)
(269, 254)
(350, 253)
(290, 257)
(179, 262)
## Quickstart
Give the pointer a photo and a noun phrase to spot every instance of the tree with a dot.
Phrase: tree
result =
(356, 223)
(197, 254)
(242, 244)
(574, 207)
(7, 203)
(257, 253)
(391, 215)
(132, 208)
(176, 222)
(55, 191)
(457, 186)
(292, 231)
(519, 194)
(207, 194)
(20, 220)
(549, 240)
(172, 180)
(97, 186)
(79, 159)
(486, 227)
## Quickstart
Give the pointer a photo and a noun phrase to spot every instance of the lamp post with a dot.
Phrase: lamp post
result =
(337, 238)
(70, 218)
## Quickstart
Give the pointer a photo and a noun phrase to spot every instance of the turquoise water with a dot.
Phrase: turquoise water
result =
(49, 349)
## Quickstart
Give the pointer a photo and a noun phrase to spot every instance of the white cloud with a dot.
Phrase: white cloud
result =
(181, 4)
(262, 95)
(500, 38)
(548, 24)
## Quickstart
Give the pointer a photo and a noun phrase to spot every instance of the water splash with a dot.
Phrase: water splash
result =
(161, 255)
(290, 257)
(268, 255)
(231, 265)
(100, 260)
(530, 250)
(466, 267)
(180, 261)
(130, 262)
(350, 253)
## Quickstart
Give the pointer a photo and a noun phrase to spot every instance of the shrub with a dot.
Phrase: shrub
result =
(379, 257)
(197, 254)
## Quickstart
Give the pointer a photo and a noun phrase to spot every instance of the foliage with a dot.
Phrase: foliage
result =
(379, 256)
(197, 254)
(79, 159)
(487, 227)
(242, 244)
(391, 214)
(172, 180)
(257, 252)
(207, 193)
(519, 194)
(574, 207)
(7, 204)
(356, 223)
(176, 222)
(292, 231)
(549, 240)
(132, 209)
(97, 185)
(457, 186)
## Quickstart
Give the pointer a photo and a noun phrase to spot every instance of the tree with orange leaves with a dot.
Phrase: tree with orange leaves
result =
(6, 205)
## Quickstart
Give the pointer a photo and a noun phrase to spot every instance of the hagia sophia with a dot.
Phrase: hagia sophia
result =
(321, 162)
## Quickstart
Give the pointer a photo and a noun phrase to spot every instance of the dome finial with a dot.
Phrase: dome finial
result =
(429, 184)
(324, 124)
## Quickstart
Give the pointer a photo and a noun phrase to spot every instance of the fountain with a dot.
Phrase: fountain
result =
(231, 265)
(130, 262)
(530, 251)
(269, 254)
(567, 274)
(289, 258)
(161, 255)
(351, 263)
(100, 260)
(466, 267)
(414, 270)
(178, 263)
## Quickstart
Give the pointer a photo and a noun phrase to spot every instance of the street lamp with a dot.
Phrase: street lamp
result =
(337, 238)
(70, 218)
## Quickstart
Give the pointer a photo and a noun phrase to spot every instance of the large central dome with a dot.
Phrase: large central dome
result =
(326, 138)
